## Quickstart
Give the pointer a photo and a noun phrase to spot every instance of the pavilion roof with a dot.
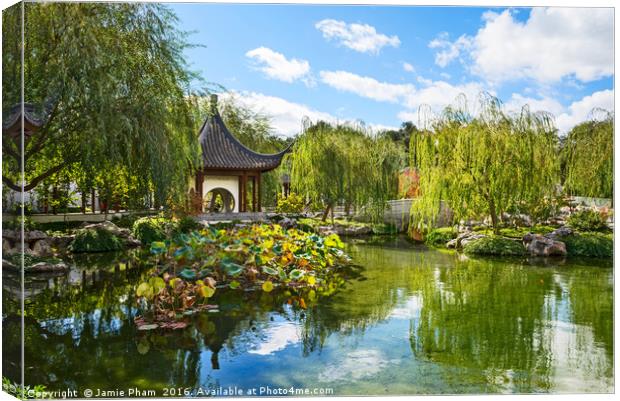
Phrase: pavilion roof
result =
(221, 150)
(34, 117)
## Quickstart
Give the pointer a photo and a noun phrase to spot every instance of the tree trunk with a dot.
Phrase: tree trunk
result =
(83, 202)
(494, 220)
(326, 212)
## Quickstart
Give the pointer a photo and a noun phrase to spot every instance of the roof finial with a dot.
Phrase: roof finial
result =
(213, 103)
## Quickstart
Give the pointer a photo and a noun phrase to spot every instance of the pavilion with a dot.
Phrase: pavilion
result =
(229, 169)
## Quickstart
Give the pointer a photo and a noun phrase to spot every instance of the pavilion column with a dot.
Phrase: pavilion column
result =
(258, 192)
(244, 185)
(254, 194)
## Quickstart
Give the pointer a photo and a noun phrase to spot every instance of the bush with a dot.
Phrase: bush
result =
(149, 229)
(595, 245)
(440, 236)
(499, 246)
(186, 224)
(93, 240)
(292, 204)
(125, 221)
(587, 220)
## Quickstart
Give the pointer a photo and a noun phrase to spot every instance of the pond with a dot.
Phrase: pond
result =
(410, 321)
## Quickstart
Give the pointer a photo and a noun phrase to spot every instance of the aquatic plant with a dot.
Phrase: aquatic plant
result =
(261, 256)
(149, 229)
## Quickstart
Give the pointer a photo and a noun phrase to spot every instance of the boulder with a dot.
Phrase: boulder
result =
(560, 232)
(470, 238)
(41, 248)
(287, 223)
(34, 235)
(539, 245)
(61, 242)
(111, 228)
(451, 244)
(6, 246)
(43, 267)
(12, 235)
(357, 230)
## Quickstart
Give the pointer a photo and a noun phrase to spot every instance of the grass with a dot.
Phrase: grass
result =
(516, 232)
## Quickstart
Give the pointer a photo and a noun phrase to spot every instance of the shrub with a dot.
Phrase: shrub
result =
(149, 229)
(93, 240)
(587, 220)
(499, 246)
(125, 221)
(440, 236)
(292, 204)
(596, 245)
(186, 224)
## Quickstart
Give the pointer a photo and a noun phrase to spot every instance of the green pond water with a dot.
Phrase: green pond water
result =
(409, 321)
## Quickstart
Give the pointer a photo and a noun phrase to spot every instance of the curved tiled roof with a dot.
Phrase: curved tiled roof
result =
(221, 150)
(33, 115)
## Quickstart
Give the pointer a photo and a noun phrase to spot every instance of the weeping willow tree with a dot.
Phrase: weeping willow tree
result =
(588, 158)
(110, 83)
(486, 165)
(342, 164)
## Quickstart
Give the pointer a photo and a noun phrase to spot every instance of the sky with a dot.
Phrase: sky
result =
(383, 64)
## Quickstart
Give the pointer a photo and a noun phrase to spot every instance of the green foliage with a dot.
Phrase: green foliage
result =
(186, 224)
(149, 229)
(112, 90)
(24, 392)
(29, 260)
(292, 204)
(257, 256)
(588, 158)
(332, 164)
(440, 236)
(125, 221)
(517, 232)
(494, 245)
(587, 220)
(596, 245)
(485, 165)
(95, 240)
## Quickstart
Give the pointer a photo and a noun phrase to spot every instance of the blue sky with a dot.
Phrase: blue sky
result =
(380, 63)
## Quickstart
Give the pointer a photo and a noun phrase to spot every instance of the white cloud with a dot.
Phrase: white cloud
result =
(408, 67)
(276, 66)
(362, 38)
(581, 110)
(548, 104)
(449, 50)
(554, 43)
(286, 117)
(366, 86)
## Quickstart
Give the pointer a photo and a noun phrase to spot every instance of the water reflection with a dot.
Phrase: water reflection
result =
(410, 321)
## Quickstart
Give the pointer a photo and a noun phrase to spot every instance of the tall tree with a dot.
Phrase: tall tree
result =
(112, 83)
(486, 165)
(588, 158)
(344, 164)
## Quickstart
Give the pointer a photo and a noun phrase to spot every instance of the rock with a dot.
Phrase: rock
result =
(132, 242)
(451, 244)
(470, 238)
(110, 227)
(326, 230)
(6, 246)
(539, 245)
(357, 230)
(26, 250)
(61, 242)
(34, 235)
(287, 223)
(9, 265)
(41, 248)
(12, 235)
(47, 267)
(559, 233)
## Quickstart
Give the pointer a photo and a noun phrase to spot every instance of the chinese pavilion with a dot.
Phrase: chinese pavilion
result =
(229, 171)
